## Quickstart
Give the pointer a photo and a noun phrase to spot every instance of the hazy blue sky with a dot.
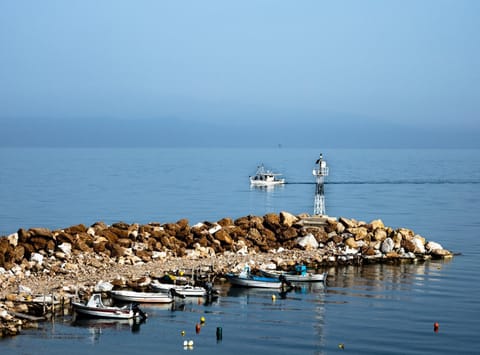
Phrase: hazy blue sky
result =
(360, 73)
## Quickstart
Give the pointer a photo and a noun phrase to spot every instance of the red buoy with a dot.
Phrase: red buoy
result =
(435, 327)
(197, 328)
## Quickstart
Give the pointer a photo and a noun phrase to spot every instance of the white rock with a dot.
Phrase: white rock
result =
(419, 247)
(5, 315)
(198, 225)
(37, 258)
(103, 286)
(350, 251)
(431, 246)
(387, 245)
(268, 266)
(139, 246)
(307, 241)
(159, 254)
(66, 248)
(16, 269)
(243, 250)
(215, 229)
(13, 239)
(409, 255)
(24, 289)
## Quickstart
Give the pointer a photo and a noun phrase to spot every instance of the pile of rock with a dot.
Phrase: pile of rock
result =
(338, 240)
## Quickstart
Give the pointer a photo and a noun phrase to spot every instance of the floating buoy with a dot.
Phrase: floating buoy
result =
(274, 297)
(183, 333)
(188, 344)
(341, 346)
(197, 328)
(219, 333)
(435, 327)
(202, 319)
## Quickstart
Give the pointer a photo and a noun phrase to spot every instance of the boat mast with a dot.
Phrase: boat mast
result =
(319, 173)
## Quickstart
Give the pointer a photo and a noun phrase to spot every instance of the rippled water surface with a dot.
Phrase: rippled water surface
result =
(370, 309)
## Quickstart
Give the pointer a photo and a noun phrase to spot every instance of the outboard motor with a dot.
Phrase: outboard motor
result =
(136, 309)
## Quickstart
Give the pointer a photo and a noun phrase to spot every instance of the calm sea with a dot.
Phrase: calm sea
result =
(380, 309)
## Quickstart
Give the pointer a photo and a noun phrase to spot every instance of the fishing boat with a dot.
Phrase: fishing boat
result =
(95, 308)
(247, 279)
(265, 177)
(299, 275)
(141, 297)
(182, 290)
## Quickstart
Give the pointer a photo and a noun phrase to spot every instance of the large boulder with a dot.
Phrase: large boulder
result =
(287, 219)
(377, 223)
(223, 237)
(79, 228)
(271, 221)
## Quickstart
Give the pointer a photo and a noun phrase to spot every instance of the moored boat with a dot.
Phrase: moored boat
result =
(246, 279)
(182, 290)
(94, 307)
(299, 275)
(141, 297)
(265, 177)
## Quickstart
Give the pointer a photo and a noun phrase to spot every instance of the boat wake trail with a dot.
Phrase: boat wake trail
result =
(393, 182)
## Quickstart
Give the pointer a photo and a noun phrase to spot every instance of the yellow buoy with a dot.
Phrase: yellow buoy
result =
(341, 346)
(183, 333)
(202, 320)
(274, 297)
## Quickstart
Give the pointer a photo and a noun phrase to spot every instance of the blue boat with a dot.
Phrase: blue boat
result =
(247, 279)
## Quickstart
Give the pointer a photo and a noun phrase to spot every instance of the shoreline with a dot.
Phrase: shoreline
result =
(62, 262)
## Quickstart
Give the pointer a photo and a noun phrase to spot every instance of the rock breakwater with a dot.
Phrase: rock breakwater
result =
(46, 261)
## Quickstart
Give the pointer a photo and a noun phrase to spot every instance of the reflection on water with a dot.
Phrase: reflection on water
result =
(383, 280)
(96, 327)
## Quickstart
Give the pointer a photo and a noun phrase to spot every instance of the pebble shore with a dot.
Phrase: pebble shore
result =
(39, 261)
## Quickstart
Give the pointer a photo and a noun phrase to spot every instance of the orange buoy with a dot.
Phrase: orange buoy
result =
(436, 326)
(197, 328)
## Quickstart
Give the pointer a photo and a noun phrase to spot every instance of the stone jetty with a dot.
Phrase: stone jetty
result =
(40, 261)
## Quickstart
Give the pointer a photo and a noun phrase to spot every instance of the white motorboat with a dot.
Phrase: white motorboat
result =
(299, 275)
(265, 177)
(141, 297)
(182, 290)
(95, 308)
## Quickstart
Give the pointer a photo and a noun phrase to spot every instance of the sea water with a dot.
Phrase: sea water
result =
(370, 309)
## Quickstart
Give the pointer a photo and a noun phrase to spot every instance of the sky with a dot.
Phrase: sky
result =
(308, 73)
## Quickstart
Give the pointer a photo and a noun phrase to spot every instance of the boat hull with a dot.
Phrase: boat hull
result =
(266, 183)
(106, 312)
(292, 277)
(252, 281)
(182, 290)
(141, 297)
